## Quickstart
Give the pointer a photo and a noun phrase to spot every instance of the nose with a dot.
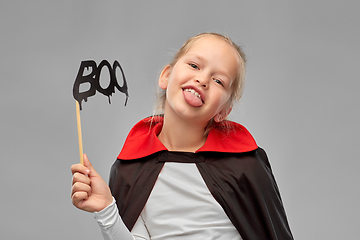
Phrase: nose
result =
(202, 80)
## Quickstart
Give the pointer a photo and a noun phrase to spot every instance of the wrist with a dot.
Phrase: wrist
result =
(107, 216)
(105, 204)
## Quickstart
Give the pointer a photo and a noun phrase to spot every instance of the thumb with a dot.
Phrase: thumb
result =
(88, 164)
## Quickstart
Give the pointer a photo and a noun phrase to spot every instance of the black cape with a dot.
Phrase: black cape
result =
(242, 183)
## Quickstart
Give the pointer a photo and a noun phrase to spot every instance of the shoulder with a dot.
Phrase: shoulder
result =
(142, 139)
(229, 136)
(251, 165)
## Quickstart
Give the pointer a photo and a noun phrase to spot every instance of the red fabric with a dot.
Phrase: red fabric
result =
(142, 140)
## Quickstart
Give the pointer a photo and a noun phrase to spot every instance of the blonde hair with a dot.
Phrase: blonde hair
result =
(237, 85)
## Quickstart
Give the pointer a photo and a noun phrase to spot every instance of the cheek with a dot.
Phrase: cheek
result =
(225, 97)
(172, 89)
(176, 79)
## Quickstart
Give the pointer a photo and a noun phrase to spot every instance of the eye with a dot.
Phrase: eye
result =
(218, 81)
(193, 65)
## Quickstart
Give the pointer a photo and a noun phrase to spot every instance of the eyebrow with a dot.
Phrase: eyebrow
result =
(198, 56)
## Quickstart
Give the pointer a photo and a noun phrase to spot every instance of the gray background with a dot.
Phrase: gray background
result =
(301, 101)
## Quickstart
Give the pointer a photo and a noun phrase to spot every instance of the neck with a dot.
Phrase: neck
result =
(181, 135)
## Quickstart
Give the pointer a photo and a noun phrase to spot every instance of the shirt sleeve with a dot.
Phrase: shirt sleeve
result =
(111, 225)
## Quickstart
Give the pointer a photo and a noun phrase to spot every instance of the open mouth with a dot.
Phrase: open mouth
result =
(193, 92)
(193, 96)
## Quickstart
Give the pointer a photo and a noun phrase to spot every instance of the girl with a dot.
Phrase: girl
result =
(189, 173)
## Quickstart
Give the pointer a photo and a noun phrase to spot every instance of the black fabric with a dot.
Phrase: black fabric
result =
(242, 183)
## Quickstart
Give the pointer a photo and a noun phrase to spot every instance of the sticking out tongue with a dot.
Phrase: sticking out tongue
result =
(192, 100)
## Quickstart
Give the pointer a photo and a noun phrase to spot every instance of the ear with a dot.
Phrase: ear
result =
(222, 114)
(164, 77)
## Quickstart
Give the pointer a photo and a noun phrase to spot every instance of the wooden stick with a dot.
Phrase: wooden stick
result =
(79, 132)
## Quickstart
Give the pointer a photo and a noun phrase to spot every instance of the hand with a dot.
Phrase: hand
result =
(89, 191)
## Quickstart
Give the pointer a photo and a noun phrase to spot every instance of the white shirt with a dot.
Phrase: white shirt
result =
(179, 207)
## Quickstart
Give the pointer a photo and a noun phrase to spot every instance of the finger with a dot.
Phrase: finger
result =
(87, 162)
(80, 187)
(79, 177)
(88, 165)
(79, 168)
(78, 197)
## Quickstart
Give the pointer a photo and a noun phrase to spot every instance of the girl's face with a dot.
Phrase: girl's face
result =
(198, 86)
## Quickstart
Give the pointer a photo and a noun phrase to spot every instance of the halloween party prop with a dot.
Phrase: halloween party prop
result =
(92, 78)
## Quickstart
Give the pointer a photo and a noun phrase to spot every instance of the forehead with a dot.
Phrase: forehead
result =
(217, 51)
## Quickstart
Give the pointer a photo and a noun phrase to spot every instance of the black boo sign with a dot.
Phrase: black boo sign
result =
(93, 78)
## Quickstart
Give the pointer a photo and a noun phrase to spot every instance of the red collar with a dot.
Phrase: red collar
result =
(142, 140)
